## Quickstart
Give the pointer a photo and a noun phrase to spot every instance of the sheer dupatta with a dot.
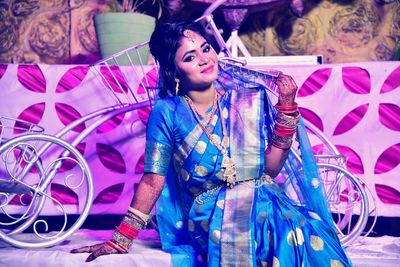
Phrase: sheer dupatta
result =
(303, 174)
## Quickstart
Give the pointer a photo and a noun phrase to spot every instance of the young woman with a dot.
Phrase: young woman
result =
(214, 144)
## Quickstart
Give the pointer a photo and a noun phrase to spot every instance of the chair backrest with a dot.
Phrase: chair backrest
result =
(11, 127)
(128, 77)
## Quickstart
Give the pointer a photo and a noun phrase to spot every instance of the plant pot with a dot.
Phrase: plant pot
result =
(119, 31)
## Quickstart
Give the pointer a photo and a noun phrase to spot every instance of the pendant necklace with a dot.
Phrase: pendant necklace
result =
(228, 166)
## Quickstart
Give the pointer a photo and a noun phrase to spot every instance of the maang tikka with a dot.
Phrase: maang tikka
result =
(189, 34)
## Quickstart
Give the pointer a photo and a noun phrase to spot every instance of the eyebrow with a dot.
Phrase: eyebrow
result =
(192, 51)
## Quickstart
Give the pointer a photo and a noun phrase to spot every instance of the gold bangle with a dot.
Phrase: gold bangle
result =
(122, 240)
(134, 222)
(289, 117)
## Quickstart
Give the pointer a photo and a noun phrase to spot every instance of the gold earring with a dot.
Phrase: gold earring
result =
(177, 86)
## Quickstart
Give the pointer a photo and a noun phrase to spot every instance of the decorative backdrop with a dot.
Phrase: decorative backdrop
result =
(356, 105)
(341, 31)
(62, 31)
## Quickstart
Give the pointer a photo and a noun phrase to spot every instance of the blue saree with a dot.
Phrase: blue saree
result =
(204, 223)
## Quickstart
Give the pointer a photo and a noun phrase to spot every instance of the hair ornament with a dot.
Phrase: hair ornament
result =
(189, 34)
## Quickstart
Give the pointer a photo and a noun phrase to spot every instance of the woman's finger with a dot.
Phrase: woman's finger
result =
(103, 250)
(81, 250)
(86, 249)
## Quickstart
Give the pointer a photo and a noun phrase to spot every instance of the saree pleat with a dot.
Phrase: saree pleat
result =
(236, 239)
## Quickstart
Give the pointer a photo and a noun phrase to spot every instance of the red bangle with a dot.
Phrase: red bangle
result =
(287, 109)
(286, 135)
(116, 247)
(285, 128)
(128, 231)
(284, 132)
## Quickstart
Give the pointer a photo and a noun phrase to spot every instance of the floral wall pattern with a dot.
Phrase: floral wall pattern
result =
(62, 31)
(53, 32)
(341, 31)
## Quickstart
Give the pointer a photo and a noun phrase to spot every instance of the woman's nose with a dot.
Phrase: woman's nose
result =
(203, 59)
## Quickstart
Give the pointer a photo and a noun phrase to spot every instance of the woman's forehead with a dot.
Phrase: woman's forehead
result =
(191, 40)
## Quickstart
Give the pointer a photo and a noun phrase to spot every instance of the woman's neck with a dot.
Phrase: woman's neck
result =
(203, 99)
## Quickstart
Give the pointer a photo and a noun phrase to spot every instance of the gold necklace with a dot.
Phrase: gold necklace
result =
(208, 117)
(227, 165)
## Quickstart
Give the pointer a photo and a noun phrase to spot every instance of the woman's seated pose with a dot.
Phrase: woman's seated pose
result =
(214, 144)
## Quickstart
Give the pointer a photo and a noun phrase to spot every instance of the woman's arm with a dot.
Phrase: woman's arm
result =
(148, 191)
(274, 159)
(278, 151)
(146, 195)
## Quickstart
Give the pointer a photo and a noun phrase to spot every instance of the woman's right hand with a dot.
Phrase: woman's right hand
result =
(96, 251)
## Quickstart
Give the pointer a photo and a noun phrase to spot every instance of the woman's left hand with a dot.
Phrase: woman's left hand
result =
(287, 90)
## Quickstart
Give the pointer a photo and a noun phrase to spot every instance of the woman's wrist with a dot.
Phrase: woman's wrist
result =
(285, 125)
(128, 230)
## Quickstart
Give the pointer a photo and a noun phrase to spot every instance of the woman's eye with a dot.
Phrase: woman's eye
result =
(188, 58)
(207, 48)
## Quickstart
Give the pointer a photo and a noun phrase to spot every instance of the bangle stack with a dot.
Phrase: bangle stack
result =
(128, 230)
(285, 126)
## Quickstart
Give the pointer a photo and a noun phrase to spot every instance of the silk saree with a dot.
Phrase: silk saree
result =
(201, 221)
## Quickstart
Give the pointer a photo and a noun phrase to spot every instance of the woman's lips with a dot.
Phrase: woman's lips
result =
(208, 69)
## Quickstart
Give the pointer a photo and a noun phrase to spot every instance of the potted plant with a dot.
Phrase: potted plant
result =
(132, 23)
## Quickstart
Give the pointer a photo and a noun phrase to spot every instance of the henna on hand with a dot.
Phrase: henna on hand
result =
(87, 248)
(103, 250)
(287, 90)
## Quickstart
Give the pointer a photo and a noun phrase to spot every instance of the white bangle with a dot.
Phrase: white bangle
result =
(141, 215)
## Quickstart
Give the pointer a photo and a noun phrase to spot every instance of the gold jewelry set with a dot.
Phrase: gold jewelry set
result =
(228, 166)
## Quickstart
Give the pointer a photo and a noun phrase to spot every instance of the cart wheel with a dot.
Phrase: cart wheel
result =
(50, 201)
(346, 198)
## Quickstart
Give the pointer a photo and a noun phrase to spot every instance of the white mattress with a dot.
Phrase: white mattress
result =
(146, 251)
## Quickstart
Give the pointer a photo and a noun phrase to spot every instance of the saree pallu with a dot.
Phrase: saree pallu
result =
(201, 221)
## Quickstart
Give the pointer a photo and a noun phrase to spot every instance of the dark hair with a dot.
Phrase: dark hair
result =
(164, 43)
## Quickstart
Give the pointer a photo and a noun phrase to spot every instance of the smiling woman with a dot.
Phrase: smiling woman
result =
(214, 144)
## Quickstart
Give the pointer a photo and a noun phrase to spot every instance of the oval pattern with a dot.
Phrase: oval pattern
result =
(344, 196)
(143, 114)
(149, 81)
(388, 160)
(31, 114)
(387, 194)
(21, 200)
(113, 77)
(392, 81)
(63, 194)
(354, 162)
(23, 163)
(69, 164)
(389, 116)
(315, 82)
(351, 119)
(68, 115)
(312, 117)
(140, 165)
(72, 78)
(111, 124)
(111, 158)
(110, 194)
(3, 68)
(357, 80)
(32, 78)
